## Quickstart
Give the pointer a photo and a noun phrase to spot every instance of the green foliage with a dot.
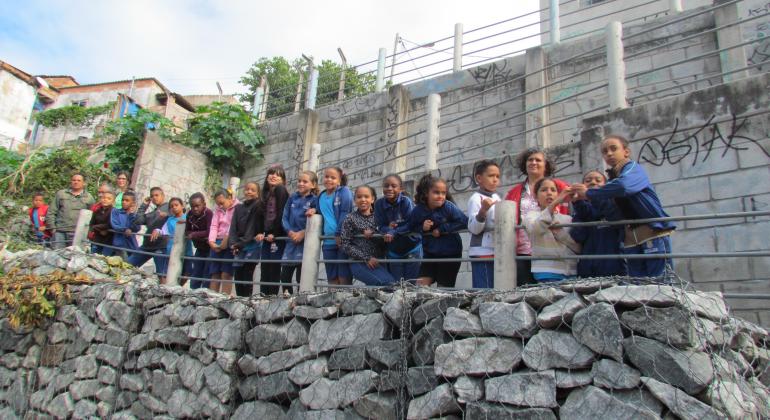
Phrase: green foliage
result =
(129, 132)
(10, 161)
(29, 300)
(72, 115)
(283, 77)
(225, 133)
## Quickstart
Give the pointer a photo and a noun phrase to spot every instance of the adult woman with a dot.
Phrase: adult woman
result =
(534, 164)
(121, 186)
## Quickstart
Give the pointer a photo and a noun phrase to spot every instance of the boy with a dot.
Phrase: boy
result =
(122, 220)
(37, 215)
(635, 198)
(100, 227)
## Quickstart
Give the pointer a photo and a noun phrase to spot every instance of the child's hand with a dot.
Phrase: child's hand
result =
(579, 191)
(368, 233)
(234, 249)
(155, 235)
(486, 204)
(388, 238)
(427, 225)
(270, 238)
(299, 236)
(214, 246)
(372, 263)
(436, 233)
(147, 200)
(41, 228)
(127, 232)
(310, 212)
(338, 240)
(259, 237)
(162, 214)
(393, 225)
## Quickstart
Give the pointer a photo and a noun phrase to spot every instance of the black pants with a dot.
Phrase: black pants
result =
(287, 270)
(524, 272)
(245, 273)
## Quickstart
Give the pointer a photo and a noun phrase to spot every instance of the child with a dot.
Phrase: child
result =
(294, 223)
(548, 242)
(219, 232)
(334, 204)
(123, 220)
(438, 219)
(247, 221)
(274, 196)
(597, 240)
(197, 230)
(100, 228)
(154, 220)
(37, 216)
(391, 212)
(481, 223)
(368, 249)
(176, 216)
(635, 198)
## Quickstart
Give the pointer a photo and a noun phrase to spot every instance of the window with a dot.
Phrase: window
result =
(82, 103)
(589, 3)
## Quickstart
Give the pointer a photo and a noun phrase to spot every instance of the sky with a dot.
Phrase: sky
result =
(191, 45)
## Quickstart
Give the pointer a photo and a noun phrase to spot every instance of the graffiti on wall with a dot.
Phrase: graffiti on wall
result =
(492, 74)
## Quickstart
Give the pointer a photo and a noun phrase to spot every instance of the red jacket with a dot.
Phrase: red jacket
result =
(41, 212)
(515, 195)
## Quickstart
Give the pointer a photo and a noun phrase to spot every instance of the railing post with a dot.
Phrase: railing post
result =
(312, 89)
(457, 64)
(175, 261)
(554, 25)
(675, 6)
(311, 254)
(616, 67)
(431, 143)
(256, 109)
(81, 228)
(380, 81)
(734, 58)
(344, 66)
(505, 245)
(265, 98)
(234, 184)
(315, 158)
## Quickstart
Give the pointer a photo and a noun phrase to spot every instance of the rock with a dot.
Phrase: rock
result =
(225, 334)
(613, 375)
(32, 359)
(477, 356)
(107, 375)
(247, 364)
(283, 360)
(163, 384)
(672, 326)
(555, 349)
(227, 360)
(106, 393)
(219, 382)
(729, 398)
(200, 350)
(259, 410)
(104, 409)
(236, 309)
(436, 403)
(153, 404)
(573, 378)
(586, 286)
(312, 313)
(359, 305)
(377, 406)
(155, 358)
(598, 328)
(62, 406)
(116, 337)
(329, 394)
(206, 313)
(636, 296)
(183, 404)
(688, 370)
(420, 380)
(39, 400)
(561, 312)
(484, 410)
(508, 320)
(716, 335)
(469, 389)
(309, 371)
(273, 310)
(171, 336)
(180, 315)
(462, 323)
(268, 338)
(86, 367)
(247, 387)
(345, 332)
(57, 333)
(427, 339)
(139, 342)
(111, 355)
(591, 403)
(640, 399)
(541, 297)
(85, 327)
(681, 404)
(132, 382)
(396, 307)
(710, 305)
(323, 299)
(351, 358)
(435, 307)
(61, 382)
(276, 387)
(389, 353)
(126, 317)
(531, 389)
(77, 263)
(125, 399)
(52, 355)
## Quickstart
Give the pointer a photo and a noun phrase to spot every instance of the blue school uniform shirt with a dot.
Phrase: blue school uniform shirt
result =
(294, 220)
(399, 211)
(598, 240)
(341, 205)
(447, 218)
(36, 221)
(120, 221)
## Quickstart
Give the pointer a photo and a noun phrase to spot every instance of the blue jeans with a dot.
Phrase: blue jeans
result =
(335, 270)
(483, 273)
(378, 276)
(197, 268)
(406, 271)
(650, 268)
(98, 249)
(161, 260)
(62, 239)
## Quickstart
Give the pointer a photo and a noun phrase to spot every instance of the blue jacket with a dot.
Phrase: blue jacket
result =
(120, 221)
(343, 205)
(447, 218)
(633, 194)
(385, 213)
(598, 240)
(294, 218)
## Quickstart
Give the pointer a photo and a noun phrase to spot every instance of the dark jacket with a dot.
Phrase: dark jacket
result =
(355, 246)
(153, 220)
(275, 227)
(197, 229)
(343, 205)
(598, 240)
(294, 218)
(246, 223)
(448, 219)
(65, 209)
(100, 227)
(386, 213)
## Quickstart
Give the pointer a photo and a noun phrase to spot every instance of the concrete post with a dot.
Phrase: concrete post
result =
(298, 98)
(175, 261)
(393, 60)
(675, 6)
(505, 245)
(344, 66)
(307, 136)
(312, 89)
(431, 142)
(616, 67)
(394, 115)
(457, 63)
(233, 185)
(80, 236)
(263, 114)
(380, 81)
(315, 158)
(553, 22)
(256, 109)
(536, 135)
(311, 254)
(734, 58)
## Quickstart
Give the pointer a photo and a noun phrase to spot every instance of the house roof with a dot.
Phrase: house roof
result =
(22, 75)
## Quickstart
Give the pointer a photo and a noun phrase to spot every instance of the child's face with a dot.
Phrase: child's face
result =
(274, 179)
(128, 203)
(364, 200)
(304, 184)
(250, 191)
(331, 179)
(391, 188)
(104, 189)
(37, 201)
(437, 195)
(223, 201)
(107, 199)
(489, 179)
(614, 152)
(176, 208)
(157, 197)
(197, 206)
(547, 193)
(593, 179)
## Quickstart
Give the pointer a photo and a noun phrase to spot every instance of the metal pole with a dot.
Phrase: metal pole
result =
(393, 61)
(175, 261)
(315, 158)
(380, 81)
(431, 143)
(457, 64)
(616, 67)
(554, 23)
(505, 245)
(311, 254)
(81, 228)
(299, 89)
(675, 6)
(312, 89)
(341, 93)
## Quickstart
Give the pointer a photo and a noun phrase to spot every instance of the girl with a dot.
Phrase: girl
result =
(197, 231)
(438, 219)
(391, 212)
(481, 223)
(547, 242)
(176, 216)
(334, 204)
(274, 196)
(294, 222)
(247, 221)
(368, 249)
(219, 232)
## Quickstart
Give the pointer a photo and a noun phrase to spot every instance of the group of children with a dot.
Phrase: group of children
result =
(418, 237)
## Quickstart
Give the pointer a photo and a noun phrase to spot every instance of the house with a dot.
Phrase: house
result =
(20, 95)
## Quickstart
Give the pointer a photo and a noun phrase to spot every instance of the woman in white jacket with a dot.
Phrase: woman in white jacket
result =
(481, 223)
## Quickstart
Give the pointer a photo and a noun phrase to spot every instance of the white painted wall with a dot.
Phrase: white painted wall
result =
(16, 101)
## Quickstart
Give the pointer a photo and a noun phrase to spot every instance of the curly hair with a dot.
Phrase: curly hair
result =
(521, 160)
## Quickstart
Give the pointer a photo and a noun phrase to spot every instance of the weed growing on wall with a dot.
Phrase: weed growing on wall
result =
(129, 133)
(72, 115)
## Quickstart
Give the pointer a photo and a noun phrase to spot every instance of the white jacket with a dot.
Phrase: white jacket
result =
(482, 233)
(550, 243)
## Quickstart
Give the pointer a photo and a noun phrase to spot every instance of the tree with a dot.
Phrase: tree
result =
(130, 130)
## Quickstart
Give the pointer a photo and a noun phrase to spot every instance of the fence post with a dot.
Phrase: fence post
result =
(175, 261)
(234, 184)
(734, 58)
(616, 67)
(457, 64)
(431, 143)
(310, 254)
(315, 158)
(256, 109)
(312, 89)
(380, 81)
(505, 245)
(675, 6)
(265, 97)
(537, 133)
(344, 66)
(81, 228)
(298, 98)
(554, 25)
